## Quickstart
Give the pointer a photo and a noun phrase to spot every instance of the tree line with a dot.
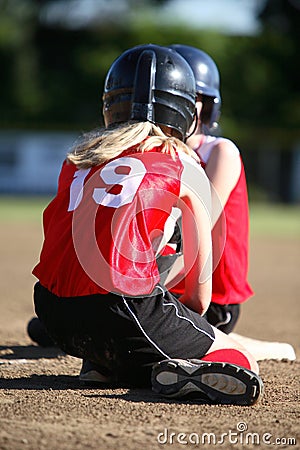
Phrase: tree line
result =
(52, 76)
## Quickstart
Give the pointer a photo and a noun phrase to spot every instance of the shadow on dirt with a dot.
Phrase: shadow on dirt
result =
(42, 382)
(72, 382)
(19, 352)
(69, 382)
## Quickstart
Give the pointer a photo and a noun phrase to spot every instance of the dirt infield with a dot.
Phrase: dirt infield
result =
(44, 406)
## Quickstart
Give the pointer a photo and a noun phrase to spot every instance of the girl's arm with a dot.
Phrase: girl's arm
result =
(195, 205)
(223, 170)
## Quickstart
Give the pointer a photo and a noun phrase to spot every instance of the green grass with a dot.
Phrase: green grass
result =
(265, 219)
(274, 220)
(22, 209)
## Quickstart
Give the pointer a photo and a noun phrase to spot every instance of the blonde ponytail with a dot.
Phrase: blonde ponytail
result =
(98, 147)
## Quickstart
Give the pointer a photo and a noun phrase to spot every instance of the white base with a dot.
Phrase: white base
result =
(265, 350)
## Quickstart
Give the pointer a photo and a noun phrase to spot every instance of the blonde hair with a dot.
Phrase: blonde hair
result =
(97, 147)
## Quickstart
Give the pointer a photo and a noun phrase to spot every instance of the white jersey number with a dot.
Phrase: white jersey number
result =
(125, 172)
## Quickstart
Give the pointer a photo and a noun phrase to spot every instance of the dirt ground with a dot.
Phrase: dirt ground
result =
(44, 406)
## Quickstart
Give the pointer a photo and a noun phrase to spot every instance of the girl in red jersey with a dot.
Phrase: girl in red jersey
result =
(99, 294)
(223, 165)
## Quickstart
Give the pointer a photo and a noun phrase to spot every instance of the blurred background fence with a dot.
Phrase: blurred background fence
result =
(55, 54)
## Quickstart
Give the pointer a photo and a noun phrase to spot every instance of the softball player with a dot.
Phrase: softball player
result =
(223, 165)
(99, 293)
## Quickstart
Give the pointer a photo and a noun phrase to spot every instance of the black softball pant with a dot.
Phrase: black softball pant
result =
(124, 335)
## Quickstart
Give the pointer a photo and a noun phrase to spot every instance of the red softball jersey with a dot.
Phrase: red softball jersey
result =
(102, 228)
(230, 237)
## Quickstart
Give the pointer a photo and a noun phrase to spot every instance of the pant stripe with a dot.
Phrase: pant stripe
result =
(189, 320)
(143, 331)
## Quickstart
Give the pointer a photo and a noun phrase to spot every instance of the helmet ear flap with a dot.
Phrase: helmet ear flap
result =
(210, 112)
(195, 121)
(143, 88)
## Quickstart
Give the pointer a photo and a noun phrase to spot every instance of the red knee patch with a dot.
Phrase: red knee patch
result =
(228, 355)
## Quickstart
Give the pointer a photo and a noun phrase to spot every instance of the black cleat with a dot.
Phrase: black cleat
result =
(93, 374)
(211, 382)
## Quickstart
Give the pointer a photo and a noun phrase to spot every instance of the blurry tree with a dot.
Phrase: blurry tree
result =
(54, 59)
(262, 88)
(20, 89)
(262, 99)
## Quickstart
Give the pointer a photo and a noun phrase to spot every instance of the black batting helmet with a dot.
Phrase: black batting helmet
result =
(150, 83)
(207, 79)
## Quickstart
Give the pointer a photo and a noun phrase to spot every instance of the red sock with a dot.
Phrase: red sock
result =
(229, 355)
